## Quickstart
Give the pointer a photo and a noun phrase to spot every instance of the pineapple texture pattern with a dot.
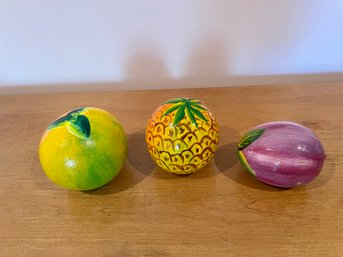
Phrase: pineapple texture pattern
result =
(182, 136)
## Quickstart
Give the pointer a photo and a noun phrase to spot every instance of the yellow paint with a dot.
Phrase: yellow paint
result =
(245, 163)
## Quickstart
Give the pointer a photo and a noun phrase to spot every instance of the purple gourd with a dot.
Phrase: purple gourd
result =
(281, 154)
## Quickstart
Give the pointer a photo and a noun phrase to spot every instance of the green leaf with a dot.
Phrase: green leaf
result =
(65, 118)
(182, 105)
(180, 114)
(173, 101)
(199, 106)
(80, 127)
(198, 113)
(191, 117)
(82, 122)
(244, 163)
(77, 110)
(171, 109)
(58, 122)
(250, 137)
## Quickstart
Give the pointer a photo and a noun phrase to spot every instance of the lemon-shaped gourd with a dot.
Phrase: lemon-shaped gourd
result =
(84, 149)
(182, 135)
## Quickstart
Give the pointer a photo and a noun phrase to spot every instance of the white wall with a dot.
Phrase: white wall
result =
(162, 44)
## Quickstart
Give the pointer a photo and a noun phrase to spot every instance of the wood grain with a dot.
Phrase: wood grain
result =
(218, 211)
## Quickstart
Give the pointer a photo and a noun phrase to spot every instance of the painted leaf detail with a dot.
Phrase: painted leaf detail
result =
(198, 113)
(171, 109)
(191, 117)
(250, 137)
(199, 106)
(82, 124)
(180, 114)
(185, 105)
(65, 118)
(244, 163)
(173, 101)
(76, 123)
(79, 127)
(77, 110)
(58, 122)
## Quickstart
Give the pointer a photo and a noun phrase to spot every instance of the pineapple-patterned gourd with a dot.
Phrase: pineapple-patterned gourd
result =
(182, 135)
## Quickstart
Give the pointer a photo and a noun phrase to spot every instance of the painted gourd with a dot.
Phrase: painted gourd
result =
(182, 135)
(282, 154)
(84, 149)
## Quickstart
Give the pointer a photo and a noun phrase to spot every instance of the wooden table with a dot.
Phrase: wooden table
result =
(218, 211)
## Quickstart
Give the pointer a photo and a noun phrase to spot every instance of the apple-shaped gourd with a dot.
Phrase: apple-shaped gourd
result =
(83, 149)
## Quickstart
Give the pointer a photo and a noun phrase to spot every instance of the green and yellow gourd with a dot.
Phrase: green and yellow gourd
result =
(84, 149)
